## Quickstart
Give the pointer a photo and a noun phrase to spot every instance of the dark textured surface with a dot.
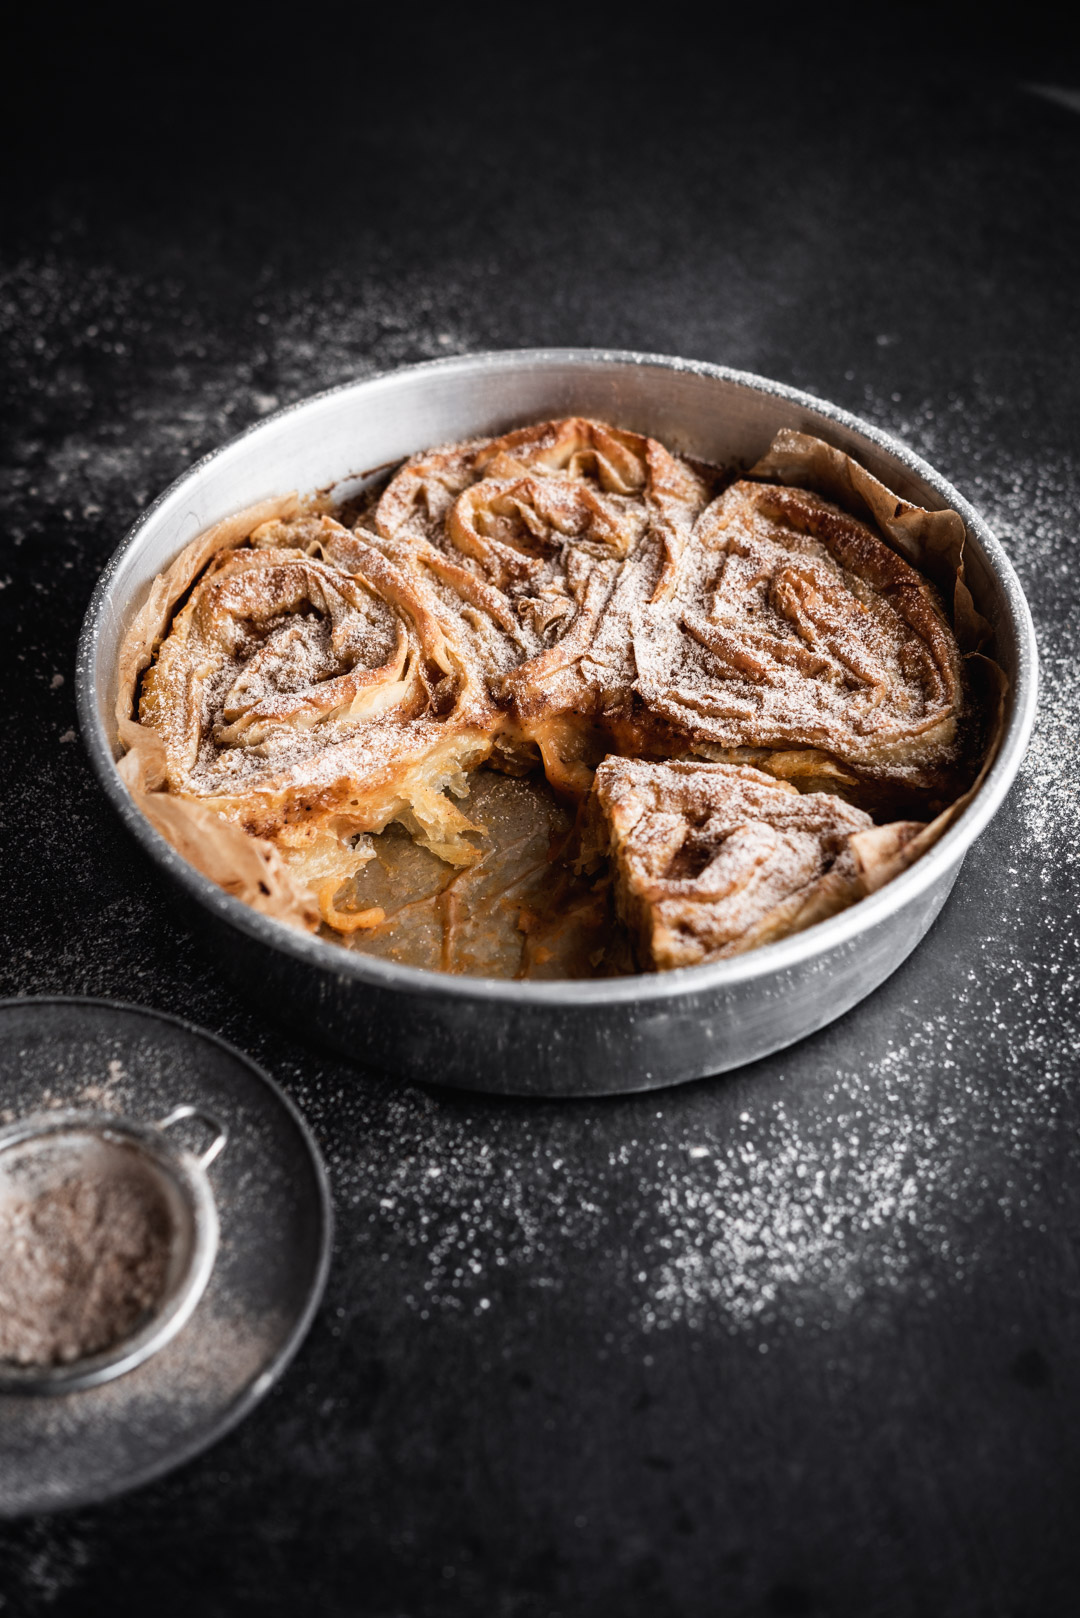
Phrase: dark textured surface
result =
(802, 1340)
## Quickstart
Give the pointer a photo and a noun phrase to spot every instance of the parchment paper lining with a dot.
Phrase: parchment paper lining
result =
(933, 542)
(250, 868)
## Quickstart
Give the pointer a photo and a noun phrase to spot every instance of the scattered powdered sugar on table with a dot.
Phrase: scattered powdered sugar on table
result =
(787, 1199)
(806, 1224)
(74, 332)
(1032, 515)
(467, 1197)
(798, 1192)
(1049, 785)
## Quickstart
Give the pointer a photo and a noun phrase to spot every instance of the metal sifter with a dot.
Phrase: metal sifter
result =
(44, 1152)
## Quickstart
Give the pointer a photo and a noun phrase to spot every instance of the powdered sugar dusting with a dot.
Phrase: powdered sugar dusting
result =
(1049, 789)
(76, 335)
(782, 1199)
(892, 1156)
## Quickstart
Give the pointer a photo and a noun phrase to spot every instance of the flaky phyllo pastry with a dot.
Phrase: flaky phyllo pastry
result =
(713, 859)
(753, 691)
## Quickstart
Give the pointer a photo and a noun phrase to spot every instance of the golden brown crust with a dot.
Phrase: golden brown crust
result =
(790, 624)
(151, 622)
(533, 530)
(712, 860)
(553, 595)
(299, 683)
(932, 541)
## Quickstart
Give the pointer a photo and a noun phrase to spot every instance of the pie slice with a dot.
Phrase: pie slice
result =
(714, 859)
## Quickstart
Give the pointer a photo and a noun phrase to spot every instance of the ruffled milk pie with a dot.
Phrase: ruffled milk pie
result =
(732, 708)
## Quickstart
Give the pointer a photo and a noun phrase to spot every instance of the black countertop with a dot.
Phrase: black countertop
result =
(804, 1339)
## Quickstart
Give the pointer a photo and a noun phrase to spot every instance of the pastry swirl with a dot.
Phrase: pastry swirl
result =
(534, 529)
(712, 860)
(307, 683)
(788, 623)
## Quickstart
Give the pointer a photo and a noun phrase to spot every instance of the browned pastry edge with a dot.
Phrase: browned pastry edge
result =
(712, 860)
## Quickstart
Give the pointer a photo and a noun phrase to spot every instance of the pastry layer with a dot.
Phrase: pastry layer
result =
(712, 860)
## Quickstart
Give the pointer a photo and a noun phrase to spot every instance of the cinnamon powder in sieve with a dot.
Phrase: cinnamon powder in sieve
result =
(81, 1264)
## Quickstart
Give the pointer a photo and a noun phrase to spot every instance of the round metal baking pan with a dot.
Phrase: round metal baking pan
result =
(81, 1445)
(549, 1038)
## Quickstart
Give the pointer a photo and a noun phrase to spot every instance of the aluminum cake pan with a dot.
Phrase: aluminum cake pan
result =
(556, 1038)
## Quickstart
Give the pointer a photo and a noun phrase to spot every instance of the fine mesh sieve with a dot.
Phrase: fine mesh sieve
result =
(48, 1151)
